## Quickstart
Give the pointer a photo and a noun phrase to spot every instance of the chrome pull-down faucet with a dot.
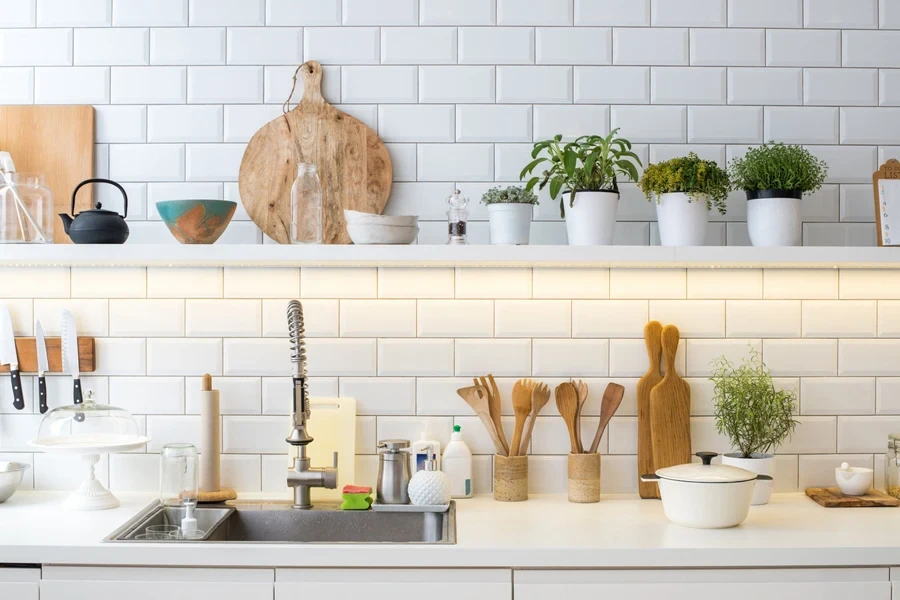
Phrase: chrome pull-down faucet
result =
(301, 476)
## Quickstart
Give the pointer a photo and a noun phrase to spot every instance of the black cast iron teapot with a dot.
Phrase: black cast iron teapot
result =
(97, 226)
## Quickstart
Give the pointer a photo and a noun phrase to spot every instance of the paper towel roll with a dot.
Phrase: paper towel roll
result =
(210, 444)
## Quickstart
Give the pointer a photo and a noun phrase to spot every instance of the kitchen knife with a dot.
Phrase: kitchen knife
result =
(43, 364)
(9, 357)
(70, 352)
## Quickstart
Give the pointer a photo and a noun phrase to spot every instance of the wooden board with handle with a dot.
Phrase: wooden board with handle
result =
(58, 142)
(353, 164)
(653, 376)
(670, 409)
(833, 498)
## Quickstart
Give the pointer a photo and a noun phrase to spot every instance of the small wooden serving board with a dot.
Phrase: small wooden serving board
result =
(833, 498)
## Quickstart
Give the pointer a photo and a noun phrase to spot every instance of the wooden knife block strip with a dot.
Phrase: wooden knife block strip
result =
(26, 349)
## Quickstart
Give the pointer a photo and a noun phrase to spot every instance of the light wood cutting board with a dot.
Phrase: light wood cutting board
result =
(653, 376)
(833, 498)
(354, 165)
(57, 141)
(333, 428)
(670, 409)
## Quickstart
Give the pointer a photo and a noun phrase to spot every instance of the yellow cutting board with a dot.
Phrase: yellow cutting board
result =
(332, 425)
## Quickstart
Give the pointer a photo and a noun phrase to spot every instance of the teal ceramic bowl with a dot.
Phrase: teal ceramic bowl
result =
(196, 221)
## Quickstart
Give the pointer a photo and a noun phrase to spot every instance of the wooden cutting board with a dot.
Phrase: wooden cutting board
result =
(670, 409)
(57, 141)
(354, 165)
(652, 333)
(333, 427)
(833, 498)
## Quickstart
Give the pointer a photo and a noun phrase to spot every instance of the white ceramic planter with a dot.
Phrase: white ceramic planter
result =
(682, 220)
(591, 221)
(761, 464)
(773, 218)
(510, 223)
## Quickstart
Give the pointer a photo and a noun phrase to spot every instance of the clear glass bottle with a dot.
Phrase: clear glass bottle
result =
(26, 209)
(306, 206)
(892, 466)
(457, 219)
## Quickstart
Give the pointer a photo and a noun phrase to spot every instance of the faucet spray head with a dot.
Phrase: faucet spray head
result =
(301, 412)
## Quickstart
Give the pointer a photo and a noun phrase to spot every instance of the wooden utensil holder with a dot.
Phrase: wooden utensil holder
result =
(584, 478)
(510, 478)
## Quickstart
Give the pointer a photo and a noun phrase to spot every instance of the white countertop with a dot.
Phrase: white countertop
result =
(546, 531)
(274, 255)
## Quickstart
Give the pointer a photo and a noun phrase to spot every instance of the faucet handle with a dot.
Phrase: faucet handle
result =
(335, 460)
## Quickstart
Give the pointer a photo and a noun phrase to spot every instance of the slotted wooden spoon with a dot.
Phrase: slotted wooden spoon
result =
(477, 397)
(567, 404)
(494, 402)
(521, 399)
(581, 389)
(540, 395)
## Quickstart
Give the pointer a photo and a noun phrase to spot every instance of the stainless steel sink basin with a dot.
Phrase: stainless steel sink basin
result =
(281, 523)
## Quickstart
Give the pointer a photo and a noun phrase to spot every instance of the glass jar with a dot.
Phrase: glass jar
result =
(306, 206)
(26, 209)
(892, 466)
(457, 219)
(179, 476)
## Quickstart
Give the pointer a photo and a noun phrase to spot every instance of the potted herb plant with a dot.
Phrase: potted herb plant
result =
(509, 213)
(756, 417)
(685, 190)
(585, 172)
(775, 177)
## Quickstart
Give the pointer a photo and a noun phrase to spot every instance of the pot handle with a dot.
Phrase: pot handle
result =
(109, 181)
(706, 457)
(650, 478)
(764, 478)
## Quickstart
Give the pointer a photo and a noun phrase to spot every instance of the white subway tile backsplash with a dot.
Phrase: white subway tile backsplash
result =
(69, 13)
(378, 318)
(839, 318)
(727, 47)
(794, 284)
(765, 86)
(184, 124)
(724, 283)
(148, 85)
(107, 46)
(334, 357)
(225, 318)
(501, 123)
(232, 84)
(868, 357)
(459, 84)
(650, 46)
(173, 356)
(647, 283)
(841, 87)
(148, 395)
(379, 84)
(265, 45)
(799, 48)
(869, 125)
(397, 357)
(270, 357)
(318, 282)
(187, 46)
(720, 124)
(234, 13)
(18, 13)
(787, 357)
(870, 48)
(688, 85)
(550, 12)
(460, 162)
(859, 434)
(71, 85)
(120, 356)
(835, 14)
(628, 358)
(18, 85)
(455, 318)
(261, 282)
(570, 283)
(866, 284)
(503, 358)
(496, 46)
(146, 318)
(418, 45)
(460, 12)
(493, 283)
(138, 13)
(614, 85)
(837, 395)
(609, 318)
(807, 125)
(765, 13)
(91, 316)
(321, 318)
(346, 46)
(380, 12)
(688, 13)
(578, 46)
(699, 354)
(695, 318)
(763, 318)
(381, 395)
(651, 124)
(566, 358)
(196, 282)
(532, 318)
(547, 85)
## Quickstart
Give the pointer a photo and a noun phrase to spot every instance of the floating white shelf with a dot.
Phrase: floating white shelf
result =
(223, 255)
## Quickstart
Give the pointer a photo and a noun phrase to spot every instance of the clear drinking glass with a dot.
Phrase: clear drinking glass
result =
(306, 206)
(26, 208)
(179, 477)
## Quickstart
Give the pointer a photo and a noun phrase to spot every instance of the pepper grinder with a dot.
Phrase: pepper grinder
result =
(457, 219)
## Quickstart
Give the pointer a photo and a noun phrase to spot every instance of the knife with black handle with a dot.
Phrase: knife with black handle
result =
(43, 365)
(70, 355)
(8, 356)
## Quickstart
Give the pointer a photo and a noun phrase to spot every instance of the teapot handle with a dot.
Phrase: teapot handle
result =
(109, 181)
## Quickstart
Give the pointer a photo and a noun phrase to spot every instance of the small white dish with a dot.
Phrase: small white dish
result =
(354, 216)
(854, 481)
(370, 233)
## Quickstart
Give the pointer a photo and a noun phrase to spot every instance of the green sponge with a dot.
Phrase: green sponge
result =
(356, 497)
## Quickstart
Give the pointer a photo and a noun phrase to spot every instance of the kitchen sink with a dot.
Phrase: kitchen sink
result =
(281, 523)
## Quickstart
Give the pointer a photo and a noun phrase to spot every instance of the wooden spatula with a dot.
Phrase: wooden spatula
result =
(653, 376)
(670, 409)
(539, 398)
(567, 404)
(494, 403)
(477, 397)
(521, 400)
(581, 389)
(612, 398)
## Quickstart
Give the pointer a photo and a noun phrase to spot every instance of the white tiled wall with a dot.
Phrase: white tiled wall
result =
(402, 340)
(459, 89)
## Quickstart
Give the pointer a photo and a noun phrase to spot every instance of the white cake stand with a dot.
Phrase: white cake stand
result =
(90, 495)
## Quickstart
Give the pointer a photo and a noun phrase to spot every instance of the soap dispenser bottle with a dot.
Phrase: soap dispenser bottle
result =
(420, 451)
(457, 465)
(430, 487)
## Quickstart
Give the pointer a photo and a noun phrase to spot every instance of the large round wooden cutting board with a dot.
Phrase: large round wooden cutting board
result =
(354, 166)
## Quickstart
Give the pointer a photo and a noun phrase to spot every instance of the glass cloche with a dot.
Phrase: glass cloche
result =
(89, 426)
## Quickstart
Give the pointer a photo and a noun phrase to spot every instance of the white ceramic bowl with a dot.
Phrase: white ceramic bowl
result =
(854, 481)
(10, 478)
(368, 233)
(356, 217)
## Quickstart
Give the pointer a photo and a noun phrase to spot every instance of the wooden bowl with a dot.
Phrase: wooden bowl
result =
(196, 221)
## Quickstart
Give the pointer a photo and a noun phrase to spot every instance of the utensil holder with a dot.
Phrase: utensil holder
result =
(584, 478)
(510, 478)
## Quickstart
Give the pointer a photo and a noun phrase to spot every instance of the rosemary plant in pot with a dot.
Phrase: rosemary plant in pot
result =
(685, 190)
(775, 178)
(584, 175)
(509, 213)
(754, 415)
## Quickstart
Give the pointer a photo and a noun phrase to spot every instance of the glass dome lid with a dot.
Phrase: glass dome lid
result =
(89, 427)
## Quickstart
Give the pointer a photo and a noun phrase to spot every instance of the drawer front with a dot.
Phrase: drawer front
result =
(397, 584)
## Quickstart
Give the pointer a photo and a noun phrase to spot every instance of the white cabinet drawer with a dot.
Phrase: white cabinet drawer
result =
(748, 584)
(148, 583)
(397, 584)
(19, 584)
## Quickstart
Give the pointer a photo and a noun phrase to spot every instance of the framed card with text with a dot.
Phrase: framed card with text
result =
(886, 182)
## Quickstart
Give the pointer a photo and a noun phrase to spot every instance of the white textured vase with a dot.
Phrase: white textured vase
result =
(591, 220)
(761, 464)
(510, 222)
(682, 220)
(429, 488)
(774, 221)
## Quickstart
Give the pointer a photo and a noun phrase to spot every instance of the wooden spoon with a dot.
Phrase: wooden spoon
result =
(581, 389)
(540, 395)
(521, 399)
(567, 404)
(493, 398)
(477, 397)
(612, 398)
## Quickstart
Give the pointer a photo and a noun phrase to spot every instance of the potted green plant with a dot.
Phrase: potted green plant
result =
(775, 178)
(586, 172)
(754, 415)
(685, 190)
(509, 213)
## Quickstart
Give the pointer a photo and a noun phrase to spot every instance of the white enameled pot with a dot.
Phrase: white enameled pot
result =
(682, 220)
(773, 218)
(510, 222)
(705, 496)
(591, 219)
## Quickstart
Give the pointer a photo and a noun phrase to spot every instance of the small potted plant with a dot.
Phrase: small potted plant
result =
(585, 172)
(775, 177)
(685, 190)
(756, 417)
(509, 212)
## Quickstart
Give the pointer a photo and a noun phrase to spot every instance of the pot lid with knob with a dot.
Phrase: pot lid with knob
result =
(706, 472)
